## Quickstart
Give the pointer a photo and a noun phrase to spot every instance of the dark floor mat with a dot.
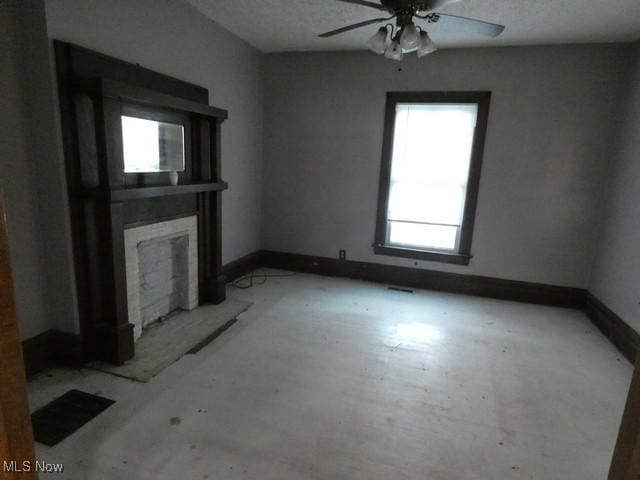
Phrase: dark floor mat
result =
(61, 417)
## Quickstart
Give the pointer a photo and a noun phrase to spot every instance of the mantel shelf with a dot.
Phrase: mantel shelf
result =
(135, 193)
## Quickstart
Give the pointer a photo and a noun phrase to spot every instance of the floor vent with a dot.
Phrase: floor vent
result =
(61, 417)
(400, 289)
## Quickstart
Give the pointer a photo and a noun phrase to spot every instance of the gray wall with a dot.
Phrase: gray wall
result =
(545, 158)
(31, 170)
(172, 37)
(616, 277)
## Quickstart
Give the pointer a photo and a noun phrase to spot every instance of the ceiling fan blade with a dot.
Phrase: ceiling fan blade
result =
(353, 27)
(364, 3)
(470, 25)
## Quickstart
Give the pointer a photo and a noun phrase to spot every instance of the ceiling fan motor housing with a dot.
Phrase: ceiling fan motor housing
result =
(405, 10)
(404, 19)
(413, 6)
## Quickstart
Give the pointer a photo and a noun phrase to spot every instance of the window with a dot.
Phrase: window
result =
(430, 174)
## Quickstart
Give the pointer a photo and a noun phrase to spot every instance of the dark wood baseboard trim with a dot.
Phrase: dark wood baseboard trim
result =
(625, 338)
(429, 279)
(50, 348)
(242, 266)
(37, 352)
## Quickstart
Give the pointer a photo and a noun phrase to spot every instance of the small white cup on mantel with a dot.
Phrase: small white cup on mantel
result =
(173, 177)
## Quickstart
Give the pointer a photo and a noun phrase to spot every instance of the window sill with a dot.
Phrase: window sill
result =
(455, 258)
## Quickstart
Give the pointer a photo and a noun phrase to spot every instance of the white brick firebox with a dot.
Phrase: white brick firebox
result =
(162, 270)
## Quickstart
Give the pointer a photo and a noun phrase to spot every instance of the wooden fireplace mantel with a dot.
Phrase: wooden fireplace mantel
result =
(134, 193)
(95, 91)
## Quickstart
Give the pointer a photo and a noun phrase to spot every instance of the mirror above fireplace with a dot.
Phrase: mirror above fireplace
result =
(151, 146)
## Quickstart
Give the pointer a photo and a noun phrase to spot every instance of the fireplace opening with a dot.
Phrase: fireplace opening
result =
(162, 270)
(164, 277)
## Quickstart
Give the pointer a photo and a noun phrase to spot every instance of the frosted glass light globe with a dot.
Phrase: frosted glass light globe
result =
(409, 37)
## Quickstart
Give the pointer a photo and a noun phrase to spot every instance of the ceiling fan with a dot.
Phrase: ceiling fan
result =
(407, 36)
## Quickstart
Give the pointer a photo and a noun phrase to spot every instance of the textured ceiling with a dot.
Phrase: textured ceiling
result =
(291, 25)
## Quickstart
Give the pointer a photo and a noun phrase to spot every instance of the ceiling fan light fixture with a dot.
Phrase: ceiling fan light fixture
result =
(405, 36)
(425, 45)
(378, 43)
(409, 37)
(394, 50)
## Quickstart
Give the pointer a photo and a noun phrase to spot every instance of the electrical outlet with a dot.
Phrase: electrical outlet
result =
(342, 255)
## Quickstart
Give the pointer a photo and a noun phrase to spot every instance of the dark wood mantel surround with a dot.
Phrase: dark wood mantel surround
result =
(95, 90)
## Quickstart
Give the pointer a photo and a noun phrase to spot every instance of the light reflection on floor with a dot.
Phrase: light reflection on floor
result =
(415, 332)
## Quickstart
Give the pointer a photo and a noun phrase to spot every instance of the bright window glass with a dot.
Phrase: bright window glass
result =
(429, 172)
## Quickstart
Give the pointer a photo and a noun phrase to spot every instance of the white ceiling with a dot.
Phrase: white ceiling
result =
(293, 25)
